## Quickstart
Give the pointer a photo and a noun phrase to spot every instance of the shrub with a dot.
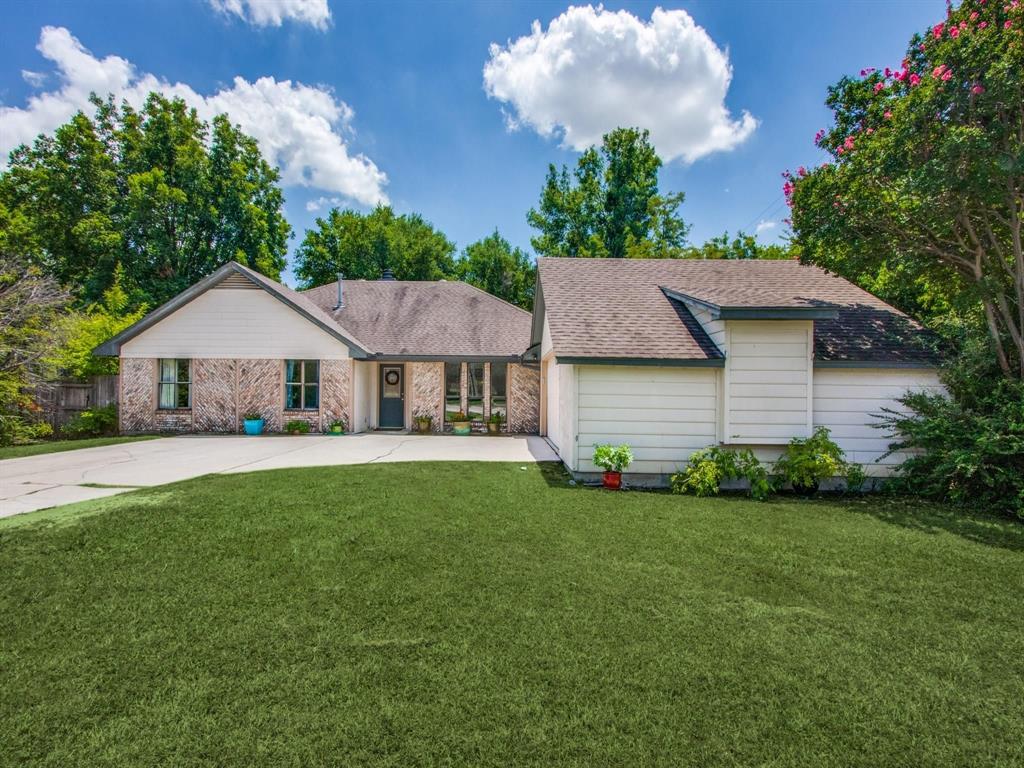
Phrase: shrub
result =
(496, 418)
(297, 426)
(971, 445)
(13, 429)
(612, 459)
(93, 422)
(709, 467)
(252, 416)
(809, 460)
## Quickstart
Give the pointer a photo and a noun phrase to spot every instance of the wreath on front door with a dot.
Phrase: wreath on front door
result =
(391, 377)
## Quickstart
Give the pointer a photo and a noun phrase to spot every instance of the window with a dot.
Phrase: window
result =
(499, 389)
(175, 384)
(475, 391)
(452, 389)
(302, 385)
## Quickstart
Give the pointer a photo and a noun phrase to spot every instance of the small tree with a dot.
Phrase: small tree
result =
(493, 265)
(926, 183)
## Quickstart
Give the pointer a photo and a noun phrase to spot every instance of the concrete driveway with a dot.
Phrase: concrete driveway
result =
(49, 480)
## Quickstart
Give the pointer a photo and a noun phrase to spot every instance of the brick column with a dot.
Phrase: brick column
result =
(523, 399)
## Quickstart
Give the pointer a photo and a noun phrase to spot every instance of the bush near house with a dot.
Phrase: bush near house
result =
(807, 461)
(710, 467)
(94, 422)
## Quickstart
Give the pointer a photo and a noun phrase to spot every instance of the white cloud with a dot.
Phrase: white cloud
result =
(323, 202)
(300, 128)
(594, 70)
(764, 225)
(35, 79)
(273, 13)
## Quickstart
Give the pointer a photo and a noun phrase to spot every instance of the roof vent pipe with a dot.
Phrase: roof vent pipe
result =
(388, 274)
(341, 297)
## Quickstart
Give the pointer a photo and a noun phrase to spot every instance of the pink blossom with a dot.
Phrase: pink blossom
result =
(801, 171)
(947, 74)
(870, 131)
(978, 89)
(879, 86)
(937, 72)
(887, 115)
(901, 75)
(963, 25)
(983, 25)
(888, 72)
(974, 15)
(954, 32)
(1008, 24)
(848, 144)
(840, 151)
(937, 31)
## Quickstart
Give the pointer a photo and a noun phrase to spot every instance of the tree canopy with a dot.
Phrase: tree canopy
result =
(742, 246)
(923, 199)
(158, 191)
(363, 245)
(610, 205)
(493, 265)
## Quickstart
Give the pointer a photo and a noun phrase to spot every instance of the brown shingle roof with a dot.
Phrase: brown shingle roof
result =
(611, 308)
(442, 318)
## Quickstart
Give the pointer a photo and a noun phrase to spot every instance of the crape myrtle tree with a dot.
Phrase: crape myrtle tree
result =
(610, 205)
(158, 191)
(923, 198)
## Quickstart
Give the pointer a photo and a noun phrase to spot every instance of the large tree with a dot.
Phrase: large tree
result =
(610, 205)
(363, 245)
(493, 265)
(157, 190)
(923, 199)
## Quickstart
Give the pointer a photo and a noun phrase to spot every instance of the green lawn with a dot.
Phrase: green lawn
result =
(490, 615)
(56, 446)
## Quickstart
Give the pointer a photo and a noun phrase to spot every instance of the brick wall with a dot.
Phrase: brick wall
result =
(213, 395)
(426, 384)
(335, 392)
(523, 399)
(261, 390)
(223, 391)
(137, 399)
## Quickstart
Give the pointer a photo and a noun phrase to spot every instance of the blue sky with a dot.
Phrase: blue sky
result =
(397, 90)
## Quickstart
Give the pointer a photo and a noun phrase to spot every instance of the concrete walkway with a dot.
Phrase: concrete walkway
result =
(49, 480)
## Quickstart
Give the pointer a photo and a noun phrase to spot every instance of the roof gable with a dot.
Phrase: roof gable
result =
(235, 275)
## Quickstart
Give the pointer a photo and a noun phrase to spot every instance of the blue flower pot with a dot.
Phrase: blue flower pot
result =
(253, 426)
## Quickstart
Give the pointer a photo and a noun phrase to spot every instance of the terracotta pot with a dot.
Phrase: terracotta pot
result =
(612, 480)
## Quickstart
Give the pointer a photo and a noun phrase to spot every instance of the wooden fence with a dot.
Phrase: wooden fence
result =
(61, 401)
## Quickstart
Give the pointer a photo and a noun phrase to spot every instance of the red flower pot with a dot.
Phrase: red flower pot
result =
(612, 480)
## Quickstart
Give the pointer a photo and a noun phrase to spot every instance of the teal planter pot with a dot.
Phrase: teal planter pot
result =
(461, 428)
(253, 426)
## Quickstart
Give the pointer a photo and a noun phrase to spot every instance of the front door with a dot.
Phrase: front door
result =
(392, 396)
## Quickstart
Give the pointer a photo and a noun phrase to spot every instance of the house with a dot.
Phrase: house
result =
(671, 356)
(374, 353)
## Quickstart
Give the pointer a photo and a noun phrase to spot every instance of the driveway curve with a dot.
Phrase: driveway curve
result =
(49, 480)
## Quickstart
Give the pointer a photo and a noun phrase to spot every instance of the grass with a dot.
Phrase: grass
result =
(57, 446)
(490, 615)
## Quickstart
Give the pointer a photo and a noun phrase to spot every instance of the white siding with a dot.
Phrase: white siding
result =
(233, 323)
(362, 395)
(714, 328)
(846, 399)
(768, 381)
(663, 413)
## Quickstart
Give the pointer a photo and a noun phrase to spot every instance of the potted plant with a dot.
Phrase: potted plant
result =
(460, 423)
(612, 461)
(494, 424)
(297, 427)
(423, 421)
(337, 427)
(253, 423)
